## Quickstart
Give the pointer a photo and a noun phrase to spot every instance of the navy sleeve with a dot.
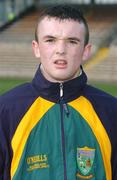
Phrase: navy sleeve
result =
(114, 143)
(13, 105)
(105, 106)
(4, 146)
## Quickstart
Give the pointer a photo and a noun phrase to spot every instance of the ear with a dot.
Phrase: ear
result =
(35, 47)
(87, 52)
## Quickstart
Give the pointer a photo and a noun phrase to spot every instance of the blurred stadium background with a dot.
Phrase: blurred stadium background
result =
(17, 25)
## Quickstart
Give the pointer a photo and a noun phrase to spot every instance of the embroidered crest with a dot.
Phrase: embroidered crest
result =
(85, 159)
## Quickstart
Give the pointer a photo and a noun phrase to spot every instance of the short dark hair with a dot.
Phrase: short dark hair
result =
(62, 12)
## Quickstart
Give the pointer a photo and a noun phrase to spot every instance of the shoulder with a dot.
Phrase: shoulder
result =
(105, 106)
(17, 100)
(14, 104)
(98, 96)
(17, 94)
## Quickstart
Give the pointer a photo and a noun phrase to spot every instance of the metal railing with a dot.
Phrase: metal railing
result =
(83, 2)
(9, 9)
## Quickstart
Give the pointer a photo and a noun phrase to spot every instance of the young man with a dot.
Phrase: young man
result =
(57, 127)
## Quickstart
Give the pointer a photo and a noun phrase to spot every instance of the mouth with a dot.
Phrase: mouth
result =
(60, 62)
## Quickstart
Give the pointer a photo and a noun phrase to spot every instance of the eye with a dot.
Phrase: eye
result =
(72, 41)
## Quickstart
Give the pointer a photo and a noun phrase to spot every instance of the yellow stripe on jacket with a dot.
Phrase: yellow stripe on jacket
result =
(28, 122)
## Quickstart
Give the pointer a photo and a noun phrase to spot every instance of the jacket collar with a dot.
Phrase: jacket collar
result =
(51, 91)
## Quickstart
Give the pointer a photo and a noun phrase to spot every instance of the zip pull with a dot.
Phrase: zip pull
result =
(61, 90)
(65, 107)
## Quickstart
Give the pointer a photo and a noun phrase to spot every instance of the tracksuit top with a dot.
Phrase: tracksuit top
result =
(58, 131)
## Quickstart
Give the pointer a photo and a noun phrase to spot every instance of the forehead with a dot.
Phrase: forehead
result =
(57, 27)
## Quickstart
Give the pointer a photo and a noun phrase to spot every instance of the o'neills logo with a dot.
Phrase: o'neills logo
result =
(37, 162)
(85, 161)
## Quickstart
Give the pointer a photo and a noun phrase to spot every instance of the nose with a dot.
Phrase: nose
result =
(61, 47)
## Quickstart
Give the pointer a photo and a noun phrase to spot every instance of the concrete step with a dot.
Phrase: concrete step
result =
(106, 70)
(17, 59)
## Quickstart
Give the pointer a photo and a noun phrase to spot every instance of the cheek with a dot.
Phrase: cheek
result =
(79, 53)
(75, 56)
(75, 59)
(45, 52)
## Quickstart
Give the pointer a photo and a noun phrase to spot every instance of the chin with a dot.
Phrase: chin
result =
(62, 79)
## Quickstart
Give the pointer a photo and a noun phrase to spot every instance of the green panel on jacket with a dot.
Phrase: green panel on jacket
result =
(42, 158)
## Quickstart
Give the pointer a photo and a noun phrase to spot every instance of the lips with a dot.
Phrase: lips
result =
(60, 62)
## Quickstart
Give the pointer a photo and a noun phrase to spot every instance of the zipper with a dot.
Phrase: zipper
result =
(65, 107)
(61, 91)
(62, 130)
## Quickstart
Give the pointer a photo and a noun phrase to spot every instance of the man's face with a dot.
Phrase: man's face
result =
(60, 48)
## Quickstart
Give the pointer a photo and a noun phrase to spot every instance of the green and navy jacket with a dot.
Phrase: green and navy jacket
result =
(54, 131)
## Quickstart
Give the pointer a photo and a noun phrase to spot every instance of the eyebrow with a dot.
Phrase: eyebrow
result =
(74, 39)
(69, 38)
